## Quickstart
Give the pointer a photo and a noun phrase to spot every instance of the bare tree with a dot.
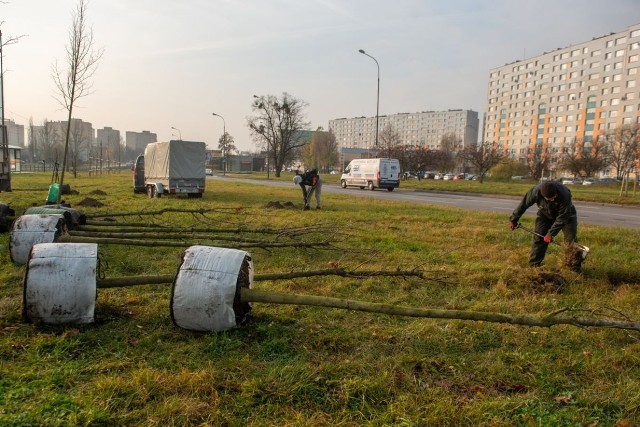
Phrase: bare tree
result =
(584, 159)
(623, 145)
(277, 127)
(538, 159)
(78, 141)
(47, 137)
(82, 59)
(482, 157)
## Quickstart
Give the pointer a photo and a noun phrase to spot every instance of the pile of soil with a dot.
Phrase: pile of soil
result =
(88, 201)
(278, 205)
(98, 193)
(573, 257)
(548, 282)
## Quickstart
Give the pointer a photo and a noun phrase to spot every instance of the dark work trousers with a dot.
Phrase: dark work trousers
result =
(539, 247)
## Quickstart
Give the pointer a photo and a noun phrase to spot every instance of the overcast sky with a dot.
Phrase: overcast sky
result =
(171, 63)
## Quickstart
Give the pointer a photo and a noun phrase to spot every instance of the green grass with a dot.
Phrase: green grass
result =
(292, 366)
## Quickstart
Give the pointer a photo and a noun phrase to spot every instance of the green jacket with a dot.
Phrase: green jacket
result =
(560, 210)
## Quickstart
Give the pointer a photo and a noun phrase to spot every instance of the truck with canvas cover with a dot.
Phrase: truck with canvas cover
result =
(175, 167)
(372, 174)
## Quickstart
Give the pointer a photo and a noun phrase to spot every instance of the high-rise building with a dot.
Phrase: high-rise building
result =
(108, 139)
(15, 133)
(570, 94)
(136, 141)
(425, 129)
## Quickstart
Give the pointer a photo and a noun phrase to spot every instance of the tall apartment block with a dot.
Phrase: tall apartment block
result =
(574, 93)
(424, 129)
(136, 141)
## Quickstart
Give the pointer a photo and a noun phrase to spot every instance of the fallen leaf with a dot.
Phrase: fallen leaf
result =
(564, 400)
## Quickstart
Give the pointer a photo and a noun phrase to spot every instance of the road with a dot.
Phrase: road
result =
(590, 213)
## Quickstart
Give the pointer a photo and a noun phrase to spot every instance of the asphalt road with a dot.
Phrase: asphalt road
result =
(590, 213)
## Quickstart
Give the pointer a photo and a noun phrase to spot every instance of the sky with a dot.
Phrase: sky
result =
(172, 63)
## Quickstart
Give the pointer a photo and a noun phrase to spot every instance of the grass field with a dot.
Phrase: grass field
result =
(308, 366)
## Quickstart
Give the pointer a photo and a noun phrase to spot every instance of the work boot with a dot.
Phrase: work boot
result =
(306, 207)
(317, 207)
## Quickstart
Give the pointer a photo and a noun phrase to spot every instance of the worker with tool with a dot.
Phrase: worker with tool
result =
(311, 184)
(555, 213)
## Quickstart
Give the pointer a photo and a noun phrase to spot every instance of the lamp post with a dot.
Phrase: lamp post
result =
(179, 133)
(378, 96)
(224, 144)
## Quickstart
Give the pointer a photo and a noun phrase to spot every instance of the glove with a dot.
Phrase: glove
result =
(513, 225)
(548, 238)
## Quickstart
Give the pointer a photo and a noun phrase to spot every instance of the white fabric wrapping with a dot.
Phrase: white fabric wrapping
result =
(205, 286)
(60, 283)
(28, 230)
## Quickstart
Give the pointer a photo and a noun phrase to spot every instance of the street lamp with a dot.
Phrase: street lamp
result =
(179, 133)
(224, 143)
(378, 97)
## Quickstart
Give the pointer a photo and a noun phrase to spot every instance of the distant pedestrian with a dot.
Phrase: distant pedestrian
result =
(311, 184)
(555, 213)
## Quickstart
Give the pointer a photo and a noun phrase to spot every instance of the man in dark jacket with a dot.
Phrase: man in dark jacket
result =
(555, 213)
(311, 184)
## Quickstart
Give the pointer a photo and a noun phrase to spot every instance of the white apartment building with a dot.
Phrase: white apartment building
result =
(424, 129)
(579, 92)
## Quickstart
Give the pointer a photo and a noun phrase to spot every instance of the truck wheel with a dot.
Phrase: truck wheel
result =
(151, 191)
(390, 188)
(370, 186)
(343, 183)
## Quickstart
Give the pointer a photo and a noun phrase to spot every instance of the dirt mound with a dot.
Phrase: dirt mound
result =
(97, 193)
(278, 205)
(88, 201)
(573, 257)
(548, 282)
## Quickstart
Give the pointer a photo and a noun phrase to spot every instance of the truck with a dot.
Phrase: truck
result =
(174, 167)
(372, 174)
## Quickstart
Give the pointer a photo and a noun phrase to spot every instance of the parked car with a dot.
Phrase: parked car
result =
(448, 176)
(608, 180)
(588, 181)
(568, 181)
(208, 171)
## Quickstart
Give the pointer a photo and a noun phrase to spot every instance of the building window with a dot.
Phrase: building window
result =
(619, 52)
(631, 83)
(633, 58)
(621, 40)
(595, 53)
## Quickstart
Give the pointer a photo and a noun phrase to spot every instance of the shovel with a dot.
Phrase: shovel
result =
(584, 250)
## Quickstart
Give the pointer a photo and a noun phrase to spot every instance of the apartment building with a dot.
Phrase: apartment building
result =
(579, 92)
(424, 129)
(136, 141)
(15, 133)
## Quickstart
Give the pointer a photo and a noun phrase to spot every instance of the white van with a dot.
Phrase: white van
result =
(372, 173)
